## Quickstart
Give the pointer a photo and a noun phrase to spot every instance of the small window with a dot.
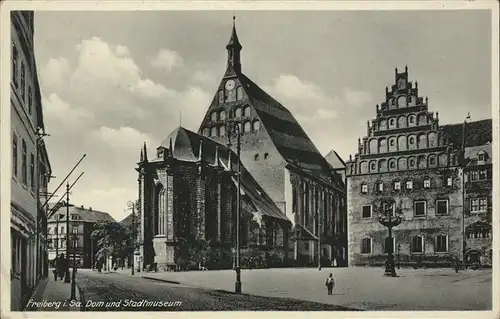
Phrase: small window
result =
(478, 205)
(364, 188)
(367, 211)
(441, 243)
(266, 155)
(213, 131)
(412, 119)
(256, 125)
(247, 111)
(62, 230)
(222, 115)
(427, 183)
(366, 246)
(222, 131)
(247, 127)
(214, 116)
(432, 161)
(221, 97)
(409, 184)
(24, 177)
(256, 157)
(392, 164)
(373, 166)
(75, 230)
(239, 93)
(392, 122)
(412, 140)
(482, 175)
(392, 142)
(449, 181)
(442, 207)
(417, 244)
(397, 185)
(420, 208)
(380, 187)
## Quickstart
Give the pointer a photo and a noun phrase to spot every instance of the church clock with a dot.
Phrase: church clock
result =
(230, 85)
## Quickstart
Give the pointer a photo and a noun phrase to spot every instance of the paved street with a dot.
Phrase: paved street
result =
(116, 290)
(357, 287)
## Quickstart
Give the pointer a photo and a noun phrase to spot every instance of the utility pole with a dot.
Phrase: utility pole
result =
(73, 277)
(319, 239)
(66, 278)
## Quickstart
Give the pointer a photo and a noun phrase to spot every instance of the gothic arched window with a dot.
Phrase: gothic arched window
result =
(221, 97)
(237, 113)
(213, 132)
(247, 127)
(222, 115)
(247, 111)
(239, 93)
(256, 125)
(214, 116)
(158, 210)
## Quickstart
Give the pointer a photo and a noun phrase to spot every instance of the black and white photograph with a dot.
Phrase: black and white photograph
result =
(250, 156)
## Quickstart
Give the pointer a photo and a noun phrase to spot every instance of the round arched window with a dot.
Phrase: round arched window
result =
(256, 125)
(247, 127)
(412, 140)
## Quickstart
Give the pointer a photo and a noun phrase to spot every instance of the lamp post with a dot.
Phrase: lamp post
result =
(234, 127)
(131, 205)
(399, 252)
(390, 216)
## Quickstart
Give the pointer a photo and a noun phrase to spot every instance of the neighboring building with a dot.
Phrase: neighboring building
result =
(81, 223)
(407, 156)
(336, 163)
(292, 197)
(31, 168)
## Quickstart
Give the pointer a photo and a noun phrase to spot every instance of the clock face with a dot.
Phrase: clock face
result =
(230, 85)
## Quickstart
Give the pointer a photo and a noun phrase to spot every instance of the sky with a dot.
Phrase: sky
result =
(111, 81)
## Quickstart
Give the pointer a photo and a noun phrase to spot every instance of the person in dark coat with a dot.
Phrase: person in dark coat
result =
(61, 265)
(330, 283)
(55, 271)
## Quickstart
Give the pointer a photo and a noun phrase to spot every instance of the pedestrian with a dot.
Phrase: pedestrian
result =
(61, 266)
(55, 262)
(330, 283)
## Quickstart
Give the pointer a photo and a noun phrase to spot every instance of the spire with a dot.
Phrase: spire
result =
(145, 153)
(142, 156)
(233, 51)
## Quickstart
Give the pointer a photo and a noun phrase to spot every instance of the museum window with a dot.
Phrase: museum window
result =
(380, 187)
(366, 246)
(14, 154)
(397, 185)
(367, 211)
(409, 185)
(442, 207)
(32, 171)
(427, 183)
(364, 188)
(387, 244)
(441, 243)
(478, 205)
(419, 208)
(24, 168)
(449, 181)
(417, 244)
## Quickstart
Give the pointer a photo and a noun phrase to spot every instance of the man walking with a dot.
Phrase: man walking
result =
(330, 283)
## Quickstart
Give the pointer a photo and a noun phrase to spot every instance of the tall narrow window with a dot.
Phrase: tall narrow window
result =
(247, 127)
(256, 125)
(24, 168)
(442, 207)
(441, 243)
(409, 185)
(23, 80)
(366, 246)
(417, 244)
(380, 187)
(427, 183)
(14, 154)
(239, 93)
(15, 60)
(367, 211)
(157, 209)
(420, 208)
(221, 97)
(32, 171)
(238, 112)
(364, 188)
(247, 111)
(397, 185)
(30, 100)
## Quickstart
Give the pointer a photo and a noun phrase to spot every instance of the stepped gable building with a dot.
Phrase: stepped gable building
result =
(291, 197)
(81, 225)
(408, 156)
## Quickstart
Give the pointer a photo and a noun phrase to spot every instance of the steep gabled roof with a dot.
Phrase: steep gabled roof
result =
(286, 133)
(186, 147)
(476, 133)
(86, 215)
(334, 160)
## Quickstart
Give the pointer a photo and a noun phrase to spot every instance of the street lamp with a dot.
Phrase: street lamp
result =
(390, 216)
(234, 127)
(73, 281)
(131, 205)
(66, 277)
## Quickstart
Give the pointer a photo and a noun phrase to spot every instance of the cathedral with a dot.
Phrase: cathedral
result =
(292, 199)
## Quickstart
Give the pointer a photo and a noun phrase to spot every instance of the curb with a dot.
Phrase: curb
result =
(161, 280)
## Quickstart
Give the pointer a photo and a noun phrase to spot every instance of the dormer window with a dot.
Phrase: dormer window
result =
(159, 153)
(481, 157)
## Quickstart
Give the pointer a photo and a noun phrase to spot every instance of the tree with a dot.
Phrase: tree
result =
(113, 239)
(192, 251)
